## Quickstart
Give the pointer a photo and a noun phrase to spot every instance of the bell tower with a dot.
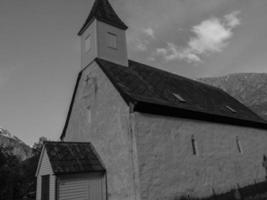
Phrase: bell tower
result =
(103, 35)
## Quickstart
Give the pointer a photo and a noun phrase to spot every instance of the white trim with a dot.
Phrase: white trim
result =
(40, 161)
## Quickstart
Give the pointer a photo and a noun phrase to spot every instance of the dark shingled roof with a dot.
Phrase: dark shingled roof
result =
(143, 83)
(103, 11)
(73, 157)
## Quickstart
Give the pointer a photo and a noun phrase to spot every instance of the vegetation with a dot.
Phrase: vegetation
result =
(18, 177)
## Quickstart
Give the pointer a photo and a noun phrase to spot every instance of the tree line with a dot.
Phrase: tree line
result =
(17, 178)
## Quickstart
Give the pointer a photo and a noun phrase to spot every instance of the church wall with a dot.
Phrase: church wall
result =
(169, 169)
(100, 116)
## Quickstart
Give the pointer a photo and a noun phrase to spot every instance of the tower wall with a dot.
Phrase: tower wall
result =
(100, 35)
(88, 56)
(116, 55)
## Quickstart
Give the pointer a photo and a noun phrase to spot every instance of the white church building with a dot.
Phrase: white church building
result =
(135, 132)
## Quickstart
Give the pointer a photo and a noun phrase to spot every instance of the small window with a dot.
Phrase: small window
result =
(264, 164)
(88, 43)
(194, 145)
(231, 109)
(112, 40)
(238, 144)
(87, 80)
(188, 197)
(45, 187)
(89, 115)
(179, 97)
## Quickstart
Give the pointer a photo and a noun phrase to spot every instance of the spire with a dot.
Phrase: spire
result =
(103, 11)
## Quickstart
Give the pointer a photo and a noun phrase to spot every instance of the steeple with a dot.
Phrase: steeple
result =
(103, 11)
(103, 35)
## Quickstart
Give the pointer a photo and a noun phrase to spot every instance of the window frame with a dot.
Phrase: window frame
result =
(110, 43)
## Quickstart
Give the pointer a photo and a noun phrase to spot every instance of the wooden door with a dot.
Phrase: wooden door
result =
(45, 187)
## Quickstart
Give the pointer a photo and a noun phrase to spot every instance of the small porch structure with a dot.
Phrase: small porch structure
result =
(70, 171)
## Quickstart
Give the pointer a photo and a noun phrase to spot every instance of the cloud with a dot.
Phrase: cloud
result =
(171, 52)
(5, 74)
(210, 36)
(141, 45)
(231, 19)
(149, 32)
(144, 39)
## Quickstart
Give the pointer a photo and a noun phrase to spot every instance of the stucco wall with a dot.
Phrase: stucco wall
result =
(168, 168)
(108, 130)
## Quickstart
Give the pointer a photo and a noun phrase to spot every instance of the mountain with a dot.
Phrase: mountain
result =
(14, 145)
(248, 88)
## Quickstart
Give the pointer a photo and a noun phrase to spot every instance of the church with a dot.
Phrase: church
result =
(135, 132)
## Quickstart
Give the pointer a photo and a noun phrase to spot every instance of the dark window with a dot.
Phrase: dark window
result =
(264, 164)
(45, 188)
(239, 148)
(194, 147)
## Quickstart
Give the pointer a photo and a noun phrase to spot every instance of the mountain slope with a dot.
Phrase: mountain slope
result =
(14, 145)
(248, 88)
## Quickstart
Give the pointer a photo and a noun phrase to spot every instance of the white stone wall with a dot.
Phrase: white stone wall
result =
(108, 130)
(168, 168)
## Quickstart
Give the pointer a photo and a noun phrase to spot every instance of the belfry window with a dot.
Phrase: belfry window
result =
(112, 40)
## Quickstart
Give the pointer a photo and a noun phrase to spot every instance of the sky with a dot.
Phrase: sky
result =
(40, 50)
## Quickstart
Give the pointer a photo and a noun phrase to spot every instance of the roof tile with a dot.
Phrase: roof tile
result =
(143, 83)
